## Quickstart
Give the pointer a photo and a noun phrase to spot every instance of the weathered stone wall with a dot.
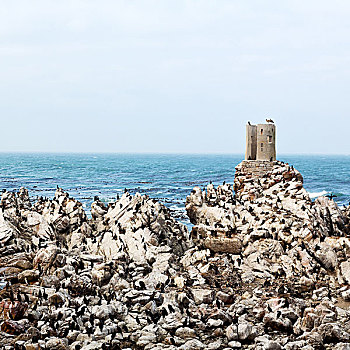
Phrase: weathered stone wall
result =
(250, 149)
(261, 142)
(266, 142)
(254, 168)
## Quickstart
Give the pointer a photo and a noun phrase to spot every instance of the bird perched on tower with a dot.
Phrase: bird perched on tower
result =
(270, 121)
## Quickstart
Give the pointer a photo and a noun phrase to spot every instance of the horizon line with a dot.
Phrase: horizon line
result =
(165, 153)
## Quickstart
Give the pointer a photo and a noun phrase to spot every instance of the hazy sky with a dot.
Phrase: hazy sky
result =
(173, 76)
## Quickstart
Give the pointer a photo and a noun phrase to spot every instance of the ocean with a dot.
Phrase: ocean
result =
(168, 178)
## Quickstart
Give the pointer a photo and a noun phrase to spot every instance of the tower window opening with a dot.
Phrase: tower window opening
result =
(261, 131)
(262, 147)
(269, 139)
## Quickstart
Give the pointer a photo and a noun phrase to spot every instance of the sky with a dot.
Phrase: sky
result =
(173, 76)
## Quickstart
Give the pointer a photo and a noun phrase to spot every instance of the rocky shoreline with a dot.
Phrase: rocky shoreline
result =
(263, 267)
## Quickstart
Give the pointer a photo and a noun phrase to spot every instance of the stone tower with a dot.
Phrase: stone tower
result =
(261, 142)
(250, 149)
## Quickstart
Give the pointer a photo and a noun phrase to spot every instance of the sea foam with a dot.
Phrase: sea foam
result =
(317, 194)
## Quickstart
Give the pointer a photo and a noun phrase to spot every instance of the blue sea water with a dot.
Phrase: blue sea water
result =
(166, 177)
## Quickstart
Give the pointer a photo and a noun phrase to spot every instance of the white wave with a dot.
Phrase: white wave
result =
(317, 194)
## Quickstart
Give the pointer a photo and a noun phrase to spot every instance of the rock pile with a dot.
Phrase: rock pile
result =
(291, 256)
(263, 267)
(70, 282)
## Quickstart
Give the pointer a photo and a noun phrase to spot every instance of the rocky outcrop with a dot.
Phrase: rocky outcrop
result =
(107, 282)
(263, 267)
(290, 247)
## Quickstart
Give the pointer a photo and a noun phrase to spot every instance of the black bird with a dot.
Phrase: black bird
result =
(331, 196)
(164, 312)
(286, 303)
(171, 309)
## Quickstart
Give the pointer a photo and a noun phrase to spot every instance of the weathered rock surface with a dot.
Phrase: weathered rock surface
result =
(264, 267)
(294, 253)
